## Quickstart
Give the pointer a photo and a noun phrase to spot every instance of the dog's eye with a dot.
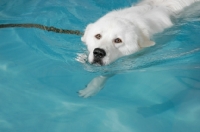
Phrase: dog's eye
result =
(117, 40)
(98, 36)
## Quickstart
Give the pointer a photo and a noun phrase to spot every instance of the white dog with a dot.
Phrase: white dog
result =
(124, 32)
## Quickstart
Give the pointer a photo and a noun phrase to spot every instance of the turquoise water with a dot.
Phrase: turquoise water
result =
(156, 90)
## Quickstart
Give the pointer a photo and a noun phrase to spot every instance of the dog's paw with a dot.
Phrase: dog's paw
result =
(85, 93)
(93, 87)
(81, 57)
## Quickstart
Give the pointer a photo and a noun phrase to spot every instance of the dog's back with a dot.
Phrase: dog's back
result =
(174, 6)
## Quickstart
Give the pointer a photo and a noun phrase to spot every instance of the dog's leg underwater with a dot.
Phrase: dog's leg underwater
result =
(94, 86)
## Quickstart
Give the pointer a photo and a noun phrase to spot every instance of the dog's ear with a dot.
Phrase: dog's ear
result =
(83, 38)
(144, 40)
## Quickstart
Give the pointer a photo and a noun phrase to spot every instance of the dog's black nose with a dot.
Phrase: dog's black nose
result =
(99, 53)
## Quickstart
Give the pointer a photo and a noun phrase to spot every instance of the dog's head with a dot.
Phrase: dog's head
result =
(111, 38)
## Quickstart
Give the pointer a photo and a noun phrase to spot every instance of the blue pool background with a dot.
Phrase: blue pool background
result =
(156, 90)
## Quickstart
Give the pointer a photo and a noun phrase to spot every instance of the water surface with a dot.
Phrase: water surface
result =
(157, 89)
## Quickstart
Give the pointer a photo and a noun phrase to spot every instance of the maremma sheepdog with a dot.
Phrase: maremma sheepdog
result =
(123, 32)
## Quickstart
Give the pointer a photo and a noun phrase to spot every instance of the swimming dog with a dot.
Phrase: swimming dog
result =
(123, 32)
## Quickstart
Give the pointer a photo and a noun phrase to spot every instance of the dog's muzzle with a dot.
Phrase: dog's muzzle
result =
(99, 54)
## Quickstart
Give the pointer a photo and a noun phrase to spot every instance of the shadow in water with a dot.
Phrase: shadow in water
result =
(177, 99)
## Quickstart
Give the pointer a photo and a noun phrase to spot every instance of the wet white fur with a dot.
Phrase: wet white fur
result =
(134, 25)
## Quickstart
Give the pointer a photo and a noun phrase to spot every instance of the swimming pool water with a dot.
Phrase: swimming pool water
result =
(155, 90)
